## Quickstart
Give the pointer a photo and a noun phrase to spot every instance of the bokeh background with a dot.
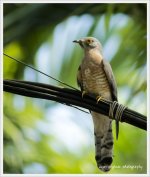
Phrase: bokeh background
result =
(46, 137)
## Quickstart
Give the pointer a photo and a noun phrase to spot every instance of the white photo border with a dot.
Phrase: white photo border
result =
(1, 85)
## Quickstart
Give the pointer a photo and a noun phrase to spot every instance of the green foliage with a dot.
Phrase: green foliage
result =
(45, 137)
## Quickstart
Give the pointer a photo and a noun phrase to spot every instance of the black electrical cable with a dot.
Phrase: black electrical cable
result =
(71, 97)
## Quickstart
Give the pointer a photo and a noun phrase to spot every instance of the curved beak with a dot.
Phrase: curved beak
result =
(80, 42)
(77, 41)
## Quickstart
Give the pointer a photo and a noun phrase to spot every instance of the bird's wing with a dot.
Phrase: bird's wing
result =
(113, 87)
(111, 79)
(79, 78)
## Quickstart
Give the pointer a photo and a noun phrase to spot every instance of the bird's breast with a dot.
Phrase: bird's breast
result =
(95, 80)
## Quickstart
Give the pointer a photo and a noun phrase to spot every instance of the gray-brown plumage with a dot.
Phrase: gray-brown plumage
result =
(95, 77)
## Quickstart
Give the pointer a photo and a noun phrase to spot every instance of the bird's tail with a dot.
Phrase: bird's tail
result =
(103, 142)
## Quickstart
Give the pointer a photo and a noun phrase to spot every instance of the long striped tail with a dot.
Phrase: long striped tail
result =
(103, 142)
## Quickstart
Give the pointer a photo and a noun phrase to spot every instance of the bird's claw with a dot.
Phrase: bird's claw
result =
(84, 93)
(98, 98)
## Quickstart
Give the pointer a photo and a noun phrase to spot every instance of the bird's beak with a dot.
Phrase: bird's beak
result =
(80, 42)
(77, 41)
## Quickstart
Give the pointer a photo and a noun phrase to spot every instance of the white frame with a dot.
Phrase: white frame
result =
(1, 83)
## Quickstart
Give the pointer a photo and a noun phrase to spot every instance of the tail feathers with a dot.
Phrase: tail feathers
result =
(103, 150)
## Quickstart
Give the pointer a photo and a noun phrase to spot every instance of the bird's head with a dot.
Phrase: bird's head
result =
(88, 43)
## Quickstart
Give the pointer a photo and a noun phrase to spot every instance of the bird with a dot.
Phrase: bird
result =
(95, 77)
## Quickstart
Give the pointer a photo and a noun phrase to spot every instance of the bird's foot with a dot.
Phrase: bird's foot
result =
(84, 93)
(98, 98)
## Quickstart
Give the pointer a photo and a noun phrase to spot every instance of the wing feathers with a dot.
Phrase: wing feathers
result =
(79, 78)
(111, 79)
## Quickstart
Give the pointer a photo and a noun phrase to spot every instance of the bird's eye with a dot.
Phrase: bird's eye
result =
(88, 41)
